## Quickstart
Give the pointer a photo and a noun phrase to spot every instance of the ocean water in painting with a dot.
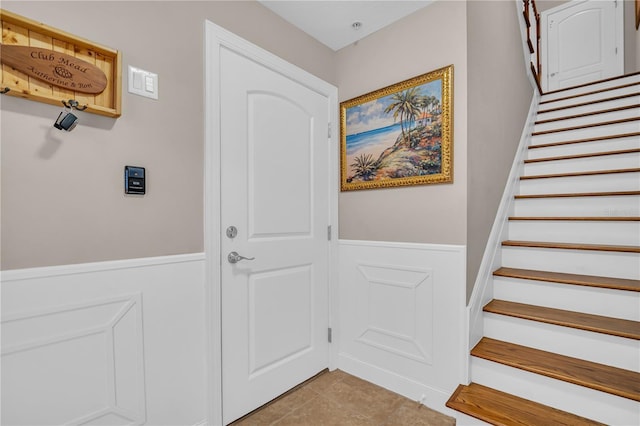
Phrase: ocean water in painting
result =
(376, 140)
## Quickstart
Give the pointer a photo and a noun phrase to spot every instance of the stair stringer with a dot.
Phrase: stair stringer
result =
(492, 258)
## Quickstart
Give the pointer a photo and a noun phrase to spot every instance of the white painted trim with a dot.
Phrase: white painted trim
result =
(334, 191)
(491, 260)
(413, 246)
(213, 325)
(85, 268)
(217, 37)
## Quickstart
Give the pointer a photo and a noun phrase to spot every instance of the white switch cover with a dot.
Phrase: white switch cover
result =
(143, 83)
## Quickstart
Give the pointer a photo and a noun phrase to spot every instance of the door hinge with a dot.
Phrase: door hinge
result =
(328, 130)
(329, 232)
(329, 334)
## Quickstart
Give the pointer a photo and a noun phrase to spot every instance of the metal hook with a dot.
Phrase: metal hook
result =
(3, 91)
(74, 104)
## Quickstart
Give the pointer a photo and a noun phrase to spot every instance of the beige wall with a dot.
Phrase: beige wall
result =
(630, 37)
(499, 95)
(427, 40)
(62, 193)
(637, 35)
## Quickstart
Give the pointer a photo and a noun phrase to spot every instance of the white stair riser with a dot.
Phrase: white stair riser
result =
(587, 133)
(590, 183)
(591, 300)
(600, 106)
(603, 162)
(624, 233)
(628, 205)
(558, 100)
(632, 142)
(583, 262)
(595, 347)
(593, 87)
(585, 402)
(583, 121)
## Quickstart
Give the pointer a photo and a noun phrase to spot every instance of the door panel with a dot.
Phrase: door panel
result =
(274, 190)
(279, 300)
(582, 44)
(279, 189)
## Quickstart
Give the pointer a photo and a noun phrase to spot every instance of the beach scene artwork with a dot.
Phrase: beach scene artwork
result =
(399, 135)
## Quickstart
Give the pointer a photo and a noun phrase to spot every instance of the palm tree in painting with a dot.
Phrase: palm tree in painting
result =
(406, 105)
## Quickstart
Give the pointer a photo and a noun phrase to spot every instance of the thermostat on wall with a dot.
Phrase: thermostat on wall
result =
(134, 180)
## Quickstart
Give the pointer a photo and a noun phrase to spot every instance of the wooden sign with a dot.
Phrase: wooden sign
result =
(56, 68)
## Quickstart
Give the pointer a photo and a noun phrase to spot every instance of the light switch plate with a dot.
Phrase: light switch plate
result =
(143, 83)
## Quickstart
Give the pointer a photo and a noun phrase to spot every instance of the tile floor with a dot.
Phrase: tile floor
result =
(338, 398)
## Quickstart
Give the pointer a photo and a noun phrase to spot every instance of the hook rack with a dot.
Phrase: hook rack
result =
(72, 103)
(3, 91)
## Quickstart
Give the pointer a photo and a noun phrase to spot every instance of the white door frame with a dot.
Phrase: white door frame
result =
(544, 20)
(217, 38)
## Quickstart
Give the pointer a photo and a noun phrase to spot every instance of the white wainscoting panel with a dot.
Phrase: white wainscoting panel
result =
(118, 343)
(403, 317)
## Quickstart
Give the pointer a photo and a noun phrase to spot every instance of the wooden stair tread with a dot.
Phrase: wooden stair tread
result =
(585, 173)
(613, 380)
(613, 98)
(593, 92)
(586, 126)
(586, 155)
(589, 322)
(574, 279)
(579, 194)
(587, 114)
(584, 140)
(503, 409)
(604, 80)
(572, 246)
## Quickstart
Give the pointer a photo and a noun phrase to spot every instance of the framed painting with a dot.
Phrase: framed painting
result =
(399, 135)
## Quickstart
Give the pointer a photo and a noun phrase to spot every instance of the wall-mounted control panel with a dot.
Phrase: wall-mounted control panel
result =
(143, 83)
(134, 180)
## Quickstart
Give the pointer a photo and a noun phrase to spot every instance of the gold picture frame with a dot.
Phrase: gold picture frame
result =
(399, 135)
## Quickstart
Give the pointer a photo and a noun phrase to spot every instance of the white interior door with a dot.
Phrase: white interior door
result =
(275, 191)
(584, 43)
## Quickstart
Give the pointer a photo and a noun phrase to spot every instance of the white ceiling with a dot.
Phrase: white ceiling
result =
(331, 22)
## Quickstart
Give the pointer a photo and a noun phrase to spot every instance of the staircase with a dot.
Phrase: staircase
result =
(561, 340)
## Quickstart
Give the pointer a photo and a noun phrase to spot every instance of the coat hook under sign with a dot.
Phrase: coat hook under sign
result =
(72, 103)
(3, 91)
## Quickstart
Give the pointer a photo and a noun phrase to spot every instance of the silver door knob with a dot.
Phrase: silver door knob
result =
(234, 257)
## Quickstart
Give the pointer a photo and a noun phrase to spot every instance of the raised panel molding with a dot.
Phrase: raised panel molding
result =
(79, 349)
(111, 378)
(399, 316)
(287, 310)
(402, 317)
